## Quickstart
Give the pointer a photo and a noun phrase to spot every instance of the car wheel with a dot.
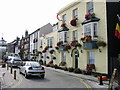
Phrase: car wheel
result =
(26, 76)
(42, 76)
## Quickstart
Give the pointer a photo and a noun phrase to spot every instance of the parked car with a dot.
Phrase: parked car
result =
(32, 68)
(14, 61)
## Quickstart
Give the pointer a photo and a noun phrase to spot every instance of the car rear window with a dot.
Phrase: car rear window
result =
(34, 64)
(17, 59)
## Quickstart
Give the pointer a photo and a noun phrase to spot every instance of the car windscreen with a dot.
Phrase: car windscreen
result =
(17, 59)
(34, 64)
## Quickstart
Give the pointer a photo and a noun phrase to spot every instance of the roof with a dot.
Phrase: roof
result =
(69, 6)
(44, 30)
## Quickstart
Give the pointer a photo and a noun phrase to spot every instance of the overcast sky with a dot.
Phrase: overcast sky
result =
(16, 16)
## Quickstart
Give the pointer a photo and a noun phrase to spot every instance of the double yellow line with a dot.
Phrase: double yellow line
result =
(19, 82)
(88, 86)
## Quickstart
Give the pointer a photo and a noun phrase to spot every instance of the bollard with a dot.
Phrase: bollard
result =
(14, 74)
(11, 70)
(7, 67)
(101, 82)
(0, 85)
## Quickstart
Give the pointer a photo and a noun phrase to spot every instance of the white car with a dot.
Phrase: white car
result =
(14, 61)
(32, 68)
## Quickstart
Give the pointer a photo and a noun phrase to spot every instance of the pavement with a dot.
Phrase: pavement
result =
(91, 80)
(8, 78)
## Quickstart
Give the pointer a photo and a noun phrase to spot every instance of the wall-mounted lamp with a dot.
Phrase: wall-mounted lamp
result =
(100, 49)
(81, 51)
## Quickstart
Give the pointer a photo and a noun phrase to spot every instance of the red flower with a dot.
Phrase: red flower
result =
(87, 16)
(63, 25)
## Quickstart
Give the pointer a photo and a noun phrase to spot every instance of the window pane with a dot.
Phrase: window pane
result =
(87, 30)
(90, 7)
(75, 13)
(95, 29)
(64, 57)
(75, 35)
(64, 18)
(91, 57)
(65, 39)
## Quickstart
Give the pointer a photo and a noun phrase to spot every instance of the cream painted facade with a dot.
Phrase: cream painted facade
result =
(100, 58)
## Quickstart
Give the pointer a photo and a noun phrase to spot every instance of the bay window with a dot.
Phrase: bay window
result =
(63, 36)
(91, 29)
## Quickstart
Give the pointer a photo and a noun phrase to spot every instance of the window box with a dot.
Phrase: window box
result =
(90, 45)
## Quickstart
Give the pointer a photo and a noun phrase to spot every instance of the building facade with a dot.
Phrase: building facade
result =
(82, 39)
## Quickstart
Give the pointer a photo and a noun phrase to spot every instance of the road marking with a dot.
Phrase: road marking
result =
(19, 82)
(88, 86)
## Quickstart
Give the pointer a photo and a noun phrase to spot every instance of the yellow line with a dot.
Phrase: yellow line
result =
(17, 84)
(88, 86)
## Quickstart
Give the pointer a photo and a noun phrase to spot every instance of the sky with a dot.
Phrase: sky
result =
(16, 16)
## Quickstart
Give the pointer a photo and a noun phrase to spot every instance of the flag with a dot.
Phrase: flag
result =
(117, 31)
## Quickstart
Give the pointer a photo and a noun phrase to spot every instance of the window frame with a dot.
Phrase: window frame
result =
(64, 18)
(92, 29)
(75, 35)
(75, 13)
(90, 10)
(91, 59)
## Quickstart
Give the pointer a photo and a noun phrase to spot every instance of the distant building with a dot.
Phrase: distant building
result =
(3, 45)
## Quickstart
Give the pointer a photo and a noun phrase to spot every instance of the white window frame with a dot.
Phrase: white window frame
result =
(91, 57)
(40, 42)
(92, 29)
(91, 8)
(75, 35)
(63, 36)
(75, 13)
(64, 56)
(64, 18)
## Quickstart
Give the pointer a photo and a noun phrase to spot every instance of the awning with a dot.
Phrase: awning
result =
(64, 29)
(90, 20)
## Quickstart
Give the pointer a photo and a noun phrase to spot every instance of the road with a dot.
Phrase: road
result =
(52, 80)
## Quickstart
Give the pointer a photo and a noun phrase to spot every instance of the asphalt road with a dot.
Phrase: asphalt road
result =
(52, 80)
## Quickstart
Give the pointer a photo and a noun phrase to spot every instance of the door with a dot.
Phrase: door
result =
(76, 59)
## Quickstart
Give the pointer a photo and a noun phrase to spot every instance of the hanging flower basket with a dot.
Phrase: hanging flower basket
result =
(73, 22)
(56, 48)
(46, 48)
(63, 25)
(59, 43)
(75, 43)
(51, 51)
(41, 56)
(43, 51)
(101, 43)
(54, 57)
(89, 15)
(47, 57)
(66, 47)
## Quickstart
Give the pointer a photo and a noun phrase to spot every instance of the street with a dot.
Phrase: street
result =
(52, 80)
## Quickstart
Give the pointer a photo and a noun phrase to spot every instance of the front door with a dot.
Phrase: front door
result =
(76, 59)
